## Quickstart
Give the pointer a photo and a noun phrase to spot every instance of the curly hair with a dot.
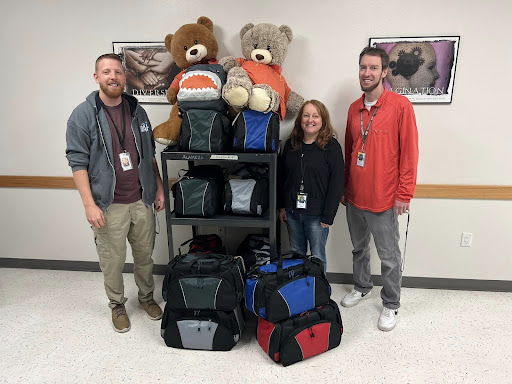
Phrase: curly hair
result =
(326, 133)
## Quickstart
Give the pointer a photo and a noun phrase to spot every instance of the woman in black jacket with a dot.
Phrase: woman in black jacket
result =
(311, 175)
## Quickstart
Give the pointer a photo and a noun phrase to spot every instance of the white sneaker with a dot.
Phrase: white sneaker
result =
(354, 298)
(387, 320)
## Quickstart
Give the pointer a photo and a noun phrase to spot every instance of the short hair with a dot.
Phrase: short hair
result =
(326, 133)
(112, 56)
(374, 51)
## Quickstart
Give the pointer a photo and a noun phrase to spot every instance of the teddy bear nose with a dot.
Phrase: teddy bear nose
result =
(259, 57)
(193, 52)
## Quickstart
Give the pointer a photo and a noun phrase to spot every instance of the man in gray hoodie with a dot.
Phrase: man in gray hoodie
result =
(112, 155)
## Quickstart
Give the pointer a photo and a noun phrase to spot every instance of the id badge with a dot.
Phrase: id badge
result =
(126, 161)
(302, 200)
(361, 156)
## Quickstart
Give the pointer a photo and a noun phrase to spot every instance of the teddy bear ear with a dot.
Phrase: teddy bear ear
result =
(168, 39)
(287, 31)
(245, 28)
(203, 20)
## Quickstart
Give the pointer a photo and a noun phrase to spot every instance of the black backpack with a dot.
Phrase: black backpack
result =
(256, 132)
(201, 88)
(205, 131)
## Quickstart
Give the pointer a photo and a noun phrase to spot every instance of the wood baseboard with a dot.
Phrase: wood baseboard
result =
(429, 191)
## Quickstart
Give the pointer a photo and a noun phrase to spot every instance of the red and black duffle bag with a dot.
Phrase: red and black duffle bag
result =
(302, 336)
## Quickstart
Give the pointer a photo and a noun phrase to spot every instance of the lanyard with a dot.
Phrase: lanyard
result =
(302, 168)
(121, 138)
(363, 133)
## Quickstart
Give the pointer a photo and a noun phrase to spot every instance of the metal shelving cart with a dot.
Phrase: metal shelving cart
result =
(268, 220)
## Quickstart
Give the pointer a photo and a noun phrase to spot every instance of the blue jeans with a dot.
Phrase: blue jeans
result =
(303, 229)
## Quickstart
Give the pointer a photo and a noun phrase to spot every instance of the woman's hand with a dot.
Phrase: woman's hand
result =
(282, 215)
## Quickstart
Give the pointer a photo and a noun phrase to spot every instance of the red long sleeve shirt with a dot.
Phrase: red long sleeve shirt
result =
(391, 149)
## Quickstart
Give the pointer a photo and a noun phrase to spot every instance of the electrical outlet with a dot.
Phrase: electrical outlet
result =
(466, 239)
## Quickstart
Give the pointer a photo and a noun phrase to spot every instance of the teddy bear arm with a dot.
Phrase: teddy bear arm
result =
(172, 94)
(294, 102)
(228, 63)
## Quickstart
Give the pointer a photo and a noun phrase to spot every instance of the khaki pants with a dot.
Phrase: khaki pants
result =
(136, 222)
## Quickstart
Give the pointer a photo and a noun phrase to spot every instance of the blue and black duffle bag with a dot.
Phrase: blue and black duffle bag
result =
(287, 288)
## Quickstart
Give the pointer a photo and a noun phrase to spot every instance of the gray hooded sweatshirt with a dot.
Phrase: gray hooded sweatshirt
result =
(89, 147)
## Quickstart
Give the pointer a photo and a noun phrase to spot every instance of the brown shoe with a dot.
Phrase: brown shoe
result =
(152, 309)
(120, 319)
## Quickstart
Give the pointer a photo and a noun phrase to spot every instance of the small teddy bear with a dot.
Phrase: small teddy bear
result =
(191, 44)
(256, 81)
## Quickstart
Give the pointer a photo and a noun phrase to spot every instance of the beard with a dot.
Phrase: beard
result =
(112, 93)
(371, 87)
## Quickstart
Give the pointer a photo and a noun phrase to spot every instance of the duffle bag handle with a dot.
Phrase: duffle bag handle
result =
(215, 264)
(281, 275)
(185, 243)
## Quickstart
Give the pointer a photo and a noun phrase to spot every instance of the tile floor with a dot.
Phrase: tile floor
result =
(55, 328)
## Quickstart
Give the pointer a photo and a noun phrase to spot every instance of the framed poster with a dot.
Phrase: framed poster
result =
(421, 68)
(150, 70)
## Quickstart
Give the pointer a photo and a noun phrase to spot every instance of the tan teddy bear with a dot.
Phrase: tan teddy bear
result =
(191, 44)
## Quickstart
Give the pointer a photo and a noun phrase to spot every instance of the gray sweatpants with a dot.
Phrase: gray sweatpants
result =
(384, 228)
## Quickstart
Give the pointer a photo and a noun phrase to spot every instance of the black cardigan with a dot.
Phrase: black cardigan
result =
(324, 173)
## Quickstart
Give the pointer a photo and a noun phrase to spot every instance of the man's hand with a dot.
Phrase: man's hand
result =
(160, 195)
(159, 199)
(282, 215)
(324, 225)
(400, 207)
(95, 216)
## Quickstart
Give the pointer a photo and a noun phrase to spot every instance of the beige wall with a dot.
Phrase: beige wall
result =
(47, 64)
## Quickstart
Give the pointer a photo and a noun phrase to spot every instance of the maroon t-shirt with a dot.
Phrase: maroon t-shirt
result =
(128, 189)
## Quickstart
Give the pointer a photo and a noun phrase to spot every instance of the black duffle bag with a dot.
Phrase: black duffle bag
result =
(307, 334)
(204, 281)
(247, 191)
(202, 329)
(285, 288)
(255, 250)
(199, 192)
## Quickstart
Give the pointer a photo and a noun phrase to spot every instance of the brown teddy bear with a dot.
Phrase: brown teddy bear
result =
(256, 81)
(191, 44)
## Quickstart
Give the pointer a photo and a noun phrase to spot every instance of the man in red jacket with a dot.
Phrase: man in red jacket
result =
(381, 152)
